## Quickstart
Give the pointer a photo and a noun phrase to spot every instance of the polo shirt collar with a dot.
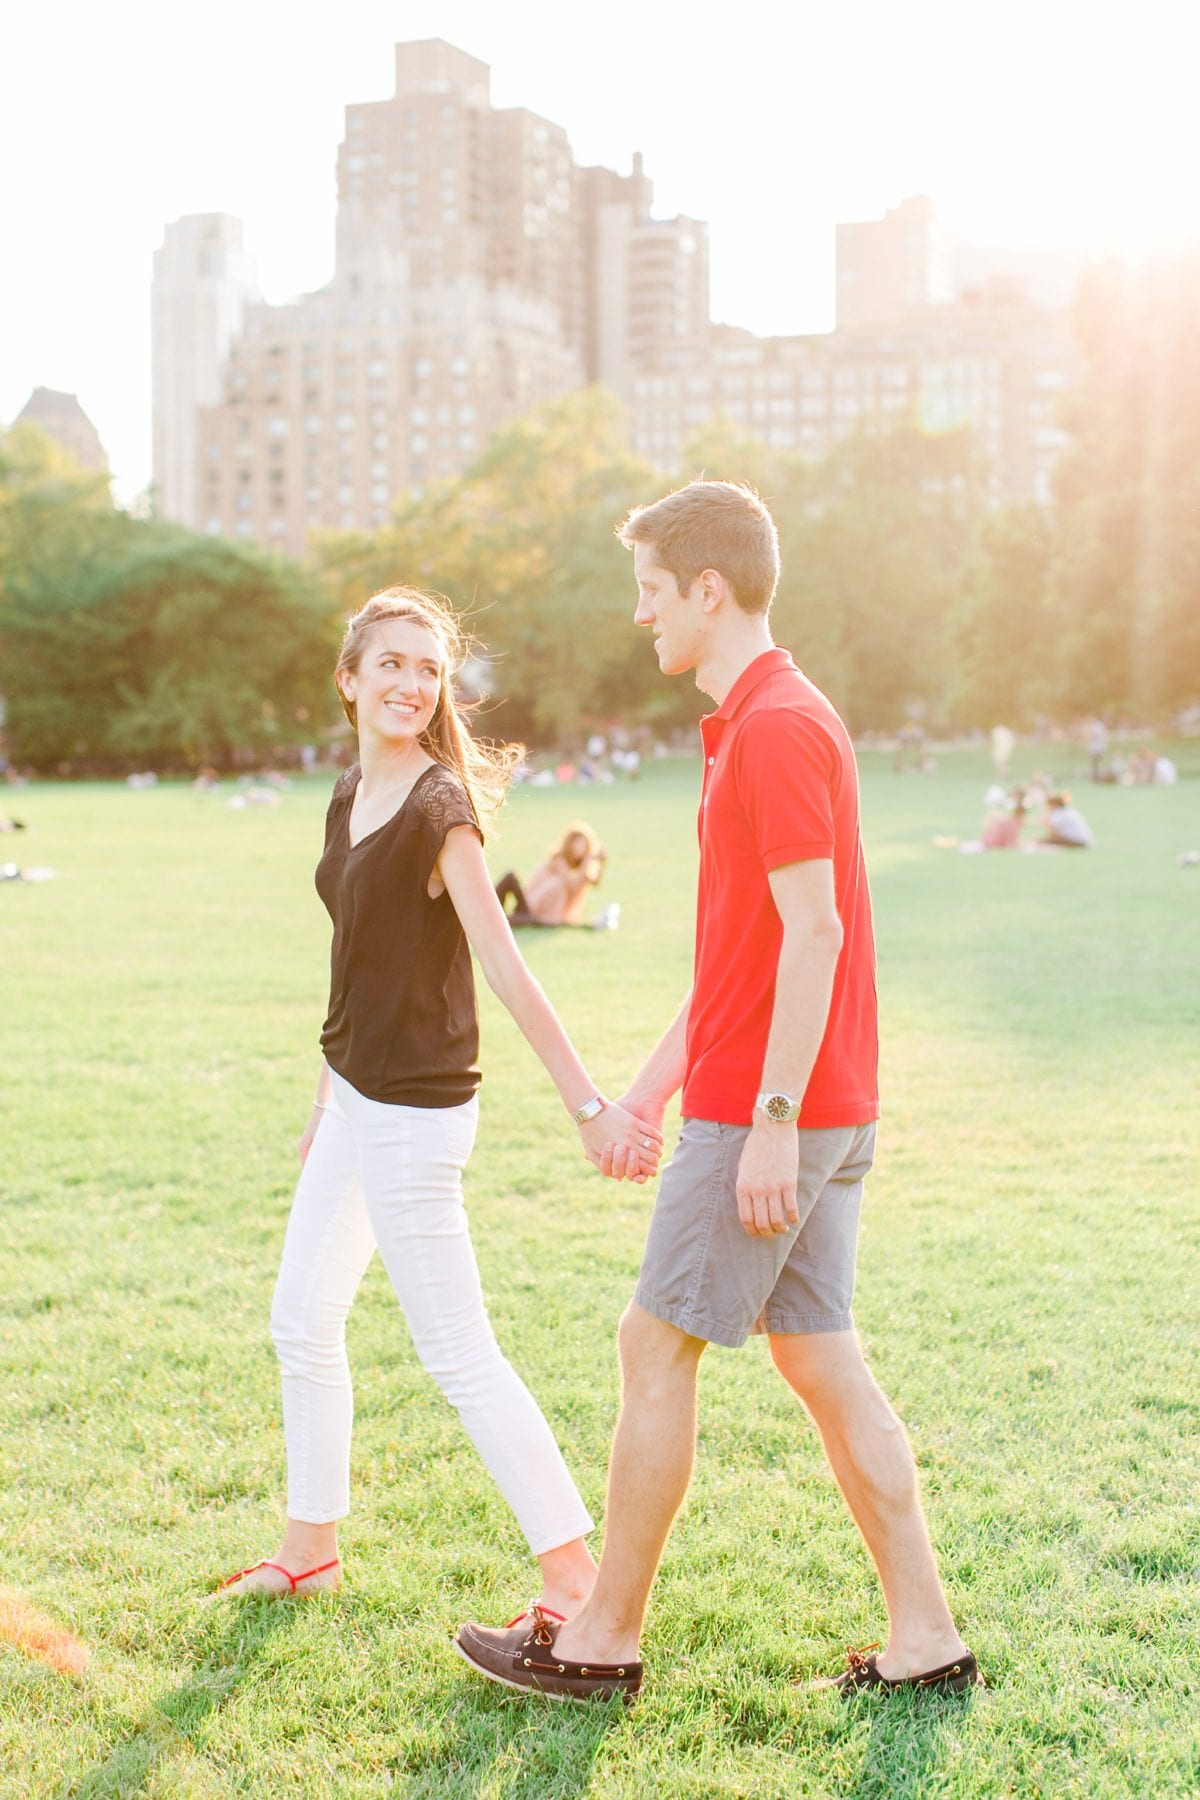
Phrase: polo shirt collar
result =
(769, 663)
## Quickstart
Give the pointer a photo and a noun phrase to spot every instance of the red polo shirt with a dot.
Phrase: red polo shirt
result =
(780, 786)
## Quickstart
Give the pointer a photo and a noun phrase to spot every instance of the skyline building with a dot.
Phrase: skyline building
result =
(203, 283)
(62, 418)
(479, 270)
(993, 360)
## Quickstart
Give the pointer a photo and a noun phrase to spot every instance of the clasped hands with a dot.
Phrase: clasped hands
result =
(623, 1144)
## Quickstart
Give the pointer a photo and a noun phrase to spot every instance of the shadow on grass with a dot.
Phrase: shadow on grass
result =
(168, 1729)
(907, 1742)
(527, 1747)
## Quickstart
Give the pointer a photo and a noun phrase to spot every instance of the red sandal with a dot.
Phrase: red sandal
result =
(266, 1563)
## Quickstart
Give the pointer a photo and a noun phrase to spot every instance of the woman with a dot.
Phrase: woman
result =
(557, 890)
(406, 885)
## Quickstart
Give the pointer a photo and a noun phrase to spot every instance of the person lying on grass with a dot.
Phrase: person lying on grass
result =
(407, 888)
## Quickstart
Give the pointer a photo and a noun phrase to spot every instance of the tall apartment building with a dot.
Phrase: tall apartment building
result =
(62, 418)
(203, 283)
(892, 266)
(472, 265)
(646, 285)
(995, 361)
(908, 260)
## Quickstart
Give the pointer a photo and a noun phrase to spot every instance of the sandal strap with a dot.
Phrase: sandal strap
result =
(266, 1563)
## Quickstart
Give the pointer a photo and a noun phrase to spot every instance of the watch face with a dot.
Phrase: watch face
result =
(778, 1107)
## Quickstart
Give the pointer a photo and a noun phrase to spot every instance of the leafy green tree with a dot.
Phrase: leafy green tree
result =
(523, 542)
(124, 639)
(1127, 577)
(1004, 666)
(875, 542)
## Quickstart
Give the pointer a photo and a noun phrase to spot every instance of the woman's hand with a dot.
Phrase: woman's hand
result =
(304, 1143)
(621, 1145)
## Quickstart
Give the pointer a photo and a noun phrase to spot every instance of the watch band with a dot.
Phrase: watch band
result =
(591, 1109)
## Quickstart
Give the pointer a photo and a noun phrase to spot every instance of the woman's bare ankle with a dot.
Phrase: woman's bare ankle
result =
(307, 1546)
(568, 1577)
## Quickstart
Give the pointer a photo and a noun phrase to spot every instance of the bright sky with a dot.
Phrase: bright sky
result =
(1028, 122)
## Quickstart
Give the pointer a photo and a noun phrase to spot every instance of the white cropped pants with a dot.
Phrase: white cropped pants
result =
(391, 1177)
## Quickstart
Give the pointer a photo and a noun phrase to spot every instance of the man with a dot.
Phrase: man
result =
(776, 1051)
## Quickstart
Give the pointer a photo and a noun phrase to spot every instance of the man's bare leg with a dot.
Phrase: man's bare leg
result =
(652, 1455)
(869, 1454)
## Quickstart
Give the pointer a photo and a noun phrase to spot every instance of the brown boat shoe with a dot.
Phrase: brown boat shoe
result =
(522, 1656)
(862, 1672)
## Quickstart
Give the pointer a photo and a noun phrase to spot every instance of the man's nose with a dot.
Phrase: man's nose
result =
(643, 614)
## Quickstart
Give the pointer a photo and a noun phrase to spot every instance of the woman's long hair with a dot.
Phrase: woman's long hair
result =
(578, 829)
(484, 769)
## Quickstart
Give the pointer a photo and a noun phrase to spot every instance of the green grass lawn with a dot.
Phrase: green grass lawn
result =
(1029, 1287)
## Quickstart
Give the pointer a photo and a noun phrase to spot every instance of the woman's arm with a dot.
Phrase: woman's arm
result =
(320, 1101)
(462, 867)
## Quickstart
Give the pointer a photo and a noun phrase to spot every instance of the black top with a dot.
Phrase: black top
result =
(402, 1025)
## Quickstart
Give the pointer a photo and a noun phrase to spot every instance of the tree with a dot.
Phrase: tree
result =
(126, 639)
(1127, 576)
(523, 542)
(1002, 634)
(875, 541)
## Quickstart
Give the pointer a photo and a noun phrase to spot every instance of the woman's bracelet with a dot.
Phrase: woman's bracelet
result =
(323, 1104)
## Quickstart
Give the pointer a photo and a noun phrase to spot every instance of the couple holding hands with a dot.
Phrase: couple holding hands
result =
(775, 1051)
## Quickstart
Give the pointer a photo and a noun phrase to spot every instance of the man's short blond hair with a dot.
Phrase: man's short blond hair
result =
(719, 525)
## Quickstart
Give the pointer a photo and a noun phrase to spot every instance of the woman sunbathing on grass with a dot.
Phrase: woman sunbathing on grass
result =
(393, 1122)
(556, 892)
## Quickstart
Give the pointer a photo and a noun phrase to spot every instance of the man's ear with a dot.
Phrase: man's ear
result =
(713, 589)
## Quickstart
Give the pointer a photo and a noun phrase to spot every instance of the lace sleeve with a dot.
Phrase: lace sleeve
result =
(344, 786)
(446, 803)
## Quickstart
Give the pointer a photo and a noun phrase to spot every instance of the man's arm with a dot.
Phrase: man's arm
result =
(658, 1080)
(803, 893)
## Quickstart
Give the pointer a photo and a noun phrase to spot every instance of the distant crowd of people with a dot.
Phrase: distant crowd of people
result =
(1143, 767)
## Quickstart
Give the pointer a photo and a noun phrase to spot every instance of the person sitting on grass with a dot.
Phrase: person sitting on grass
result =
(1066, 827)
(1002, 828)
(405, 882)
(556, 891)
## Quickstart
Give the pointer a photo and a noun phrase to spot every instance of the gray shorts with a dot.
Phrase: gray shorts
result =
(703, 1272)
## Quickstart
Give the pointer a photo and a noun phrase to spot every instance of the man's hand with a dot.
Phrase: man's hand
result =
(766, 1181)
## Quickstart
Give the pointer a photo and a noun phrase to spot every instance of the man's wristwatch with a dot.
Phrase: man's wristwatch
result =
(780, 1108)
(591, 1109)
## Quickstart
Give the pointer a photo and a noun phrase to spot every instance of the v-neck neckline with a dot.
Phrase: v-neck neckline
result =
(357, 843)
